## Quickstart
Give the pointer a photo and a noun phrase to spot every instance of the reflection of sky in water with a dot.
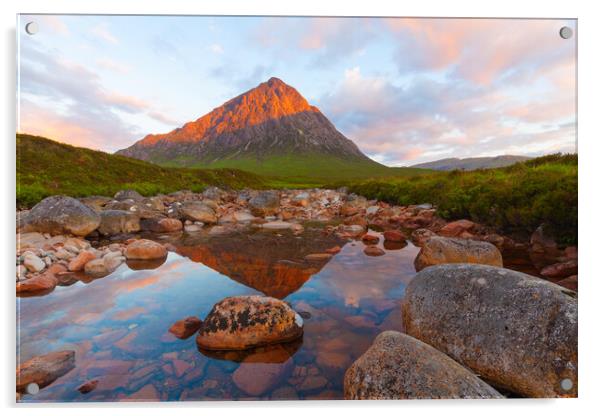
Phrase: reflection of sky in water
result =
(118, 326)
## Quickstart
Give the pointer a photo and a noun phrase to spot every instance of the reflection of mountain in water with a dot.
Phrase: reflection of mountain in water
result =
(271, 263)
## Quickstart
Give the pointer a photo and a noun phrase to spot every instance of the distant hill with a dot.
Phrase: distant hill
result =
(472, 163)
(46, 167)
(270, 130)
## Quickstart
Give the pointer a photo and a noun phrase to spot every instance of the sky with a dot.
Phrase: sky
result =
(405, 90)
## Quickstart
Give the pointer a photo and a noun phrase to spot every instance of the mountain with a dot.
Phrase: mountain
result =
(270, 129)
(472, 163)
(46, 167)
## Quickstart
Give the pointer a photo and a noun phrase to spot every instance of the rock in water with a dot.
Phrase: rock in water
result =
(114, 221)
(242, 322)
(517, 331)
(145, 250)
(184, 328)
(265, 203)
(198, 211)
(398, 366)
(62, 215)
(255, 377)
(44, 369)
(441, 250)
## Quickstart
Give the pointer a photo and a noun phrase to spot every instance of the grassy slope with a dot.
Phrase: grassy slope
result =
(46, 167)
(514, 199)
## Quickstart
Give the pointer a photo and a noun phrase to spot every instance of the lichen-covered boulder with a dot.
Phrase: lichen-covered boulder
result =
(44, 369)
(114, 221)
(442, 250)
(398, 366)
(517, 331)
(242, 322)
(61, 215)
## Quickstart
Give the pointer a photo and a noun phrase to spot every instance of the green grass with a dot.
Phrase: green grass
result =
(46, 167)
(514, 199)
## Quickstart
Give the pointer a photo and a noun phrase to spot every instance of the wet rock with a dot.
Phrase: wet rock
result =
(62, 215)
(88, 386)
(560, 270)
(161, 225)
(96, 268)
(79, 262)
(33, 263)
(44, 282)
(515, 330)
(374, 251)
(186, 327)
(456, 228)
(44, 369)
(440, 250)
(265, 203)
(352, 230)
(312, 382)
(145, 250)
(370, 238)
(394, 236)
(198, 211)
(117, 222)
(398, 366)
(242, 322)
(318, 257)
(128, 194)
(256, 378)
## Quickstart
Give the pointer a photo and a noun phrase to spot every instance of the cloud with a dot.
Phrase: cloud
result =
(216, 48)
(102, 31)
(53, 23)
(112, 65)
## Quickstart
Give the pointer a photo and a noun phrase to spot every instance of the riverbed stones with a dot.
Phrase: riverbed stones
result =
(517, 331)
(456, 228)
(128, 194)
(441, 250)
(62, 215)
(198, 211)
(242, 322)
(33, 262)
(114, 222)
(44, 369)
(79, 262)
(145, 250)
(265, 203)
(96, 268)
(398, 366)
(184, 328)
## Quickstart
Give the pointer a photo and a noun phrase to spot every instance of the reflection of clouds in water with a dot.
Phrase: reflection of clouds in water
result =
(354, 276)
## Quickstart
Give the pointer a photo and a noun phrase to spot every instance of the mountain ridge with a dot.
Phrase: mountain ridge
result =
(472, 163)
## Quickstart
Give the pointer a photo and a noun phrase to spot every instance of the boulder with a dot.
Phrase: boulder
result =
(394, 236)
(79, 262)
(242, 322)
(62, 215)
(265, 203)
(374, 251)
(95, 202)
(517, 331)
(184, 328)
(421, 236)
(33, 263)
(161, 225)
(441, 250)
(560, 270)
(398, 366)
(44, 369)
(145, 250)
(370, 238)
(44, 282)
(96, 268)
(198, 211)
(118, 222)
(128, 194)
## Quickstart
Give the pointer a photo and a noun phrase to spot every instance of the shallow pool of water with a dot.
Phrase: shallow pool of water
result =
(118, 325)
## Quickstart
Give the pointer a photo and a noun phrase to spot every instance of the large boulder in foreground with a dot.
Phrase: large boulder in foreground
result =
(517, 331)
(442, 250)
(398, 366)
(113, 221)
(62, 215)
(241, 322)
(44, 369)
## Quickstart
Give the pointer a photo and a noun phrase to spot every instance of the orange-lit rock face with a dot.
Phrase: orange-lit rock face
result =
(275, 266)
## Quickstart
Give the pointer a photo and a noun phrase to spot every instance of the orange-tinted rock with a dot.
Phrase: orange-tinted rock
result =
(144, 250)
(79, 262)
(318, 257)
(242, 322)
(88, 386)
(374, 251)
(184, 328)
(333, 250)
(569, 282)
(455, 228)
(44, 369)
(169, 225)
(421, 235)
(41, 283)
(370, 238)
(560, 270)
(394, 236)
(441, 250)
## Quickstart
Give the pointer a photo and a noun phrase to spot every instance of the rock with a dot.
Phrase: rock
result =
(277, 225)
(570, 283)
(352, 230)
(372, 210)
(96, 268)
(421, 235)
(198, 211)
(560, 270)
(374, 251)
(113, 260)
(456, 228)
(184, 328)
(312, 382)
(21, 272)
(333, 250)
(318, 257)
(41, 283)
(88, 386)
(265, 203)
(44, 369)
(161, 225)
(398, 366)
(117, 222)
(145, 250)
(63, 254)
(30, 240)
(394, 236)
(193, 228)
(256, 378)
(214, 193)
(242, 322)
(370, 238)
(79, 262)
(95, 202)
(128, 194)
(440, 250)
(62, 215)
(301, 199)
(33, 263)
(515, 330)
